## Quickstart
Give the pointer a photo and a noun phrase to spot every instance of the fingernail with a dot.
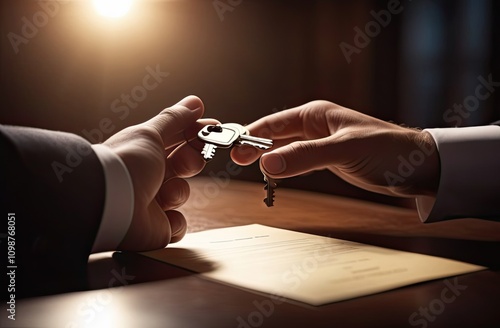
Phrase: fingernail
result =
(190, 102)
(273, 163)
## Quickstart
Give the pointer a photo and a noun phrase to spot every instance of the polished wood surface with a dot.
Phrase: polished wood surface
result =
(147, 293)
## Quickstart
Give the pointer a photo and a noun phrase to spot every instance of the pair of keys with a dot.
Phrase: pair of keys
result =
(228, 135)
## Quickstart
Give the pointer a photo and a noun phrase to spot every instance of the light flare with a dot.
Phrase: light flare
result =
(112, 8)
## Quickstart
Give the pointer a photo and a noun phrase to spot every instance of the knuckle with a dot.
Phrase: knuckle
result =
(302, 148)
(170, 117)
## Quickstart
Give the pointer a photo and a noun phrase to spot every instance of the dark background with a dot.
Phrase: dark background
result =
(263, 56)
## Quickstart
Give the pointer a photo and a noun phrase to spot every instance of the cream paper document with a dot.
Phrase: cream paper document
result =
(303, 267)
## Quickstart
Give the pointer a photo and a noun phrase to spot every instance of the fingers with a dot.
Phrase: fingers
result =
(280, 125)
(172, 121)
(245, 155)
(155, 229)
(178, 225)
(306, 122)
(184, 162)
(173, 193)
(300, 157)
(285, 125)
(312, 120)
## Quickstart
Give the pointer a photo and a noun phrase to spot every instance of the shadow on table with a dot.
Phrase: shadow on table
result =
(126, 268)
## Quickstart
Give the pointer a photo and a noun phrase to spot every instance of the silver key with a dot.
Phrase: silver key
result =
(218, 135)
(228, 135)
(271, 184)
(246, 139)
(215, 136)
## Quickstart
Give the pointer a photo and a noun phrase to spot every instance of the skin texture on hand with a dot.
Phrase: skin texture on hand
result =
(158, 156)
(367, 152)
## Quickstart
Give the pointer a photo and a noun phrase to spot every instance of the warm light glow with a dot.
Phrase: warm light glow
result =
(112, 8)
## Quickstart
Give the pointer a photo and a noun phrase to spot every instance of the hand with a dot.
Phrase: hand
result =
(372, 154)
(158, 156)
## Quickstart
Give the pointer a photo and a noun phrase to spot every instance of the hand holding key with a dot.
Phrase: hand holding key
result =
(358, 148)
(158, 157)
(228, 135)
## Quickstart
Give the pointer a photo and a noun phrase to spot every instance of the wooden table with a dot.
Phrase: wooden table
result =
(147, 293)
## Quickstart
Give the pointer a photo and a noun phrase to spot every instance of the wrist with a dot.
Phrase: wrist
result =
(427, 175)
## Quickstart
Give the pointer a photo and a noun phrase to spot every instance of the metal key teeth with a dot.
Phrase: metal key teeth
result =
(269, 200)
(257, 145)
(208, 152)
(269, 187)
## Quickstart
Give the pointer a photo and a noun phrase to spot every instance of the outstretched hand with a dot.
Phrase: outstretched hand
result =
(372, 154)
(158, 154)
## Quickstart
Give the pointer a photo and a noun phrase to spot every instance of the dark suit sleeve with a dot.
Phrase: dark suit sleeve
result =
(53, 184)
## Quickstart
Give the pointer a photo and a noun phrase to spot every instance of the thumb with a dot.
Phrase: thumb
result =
(298, 158)
(171, 122)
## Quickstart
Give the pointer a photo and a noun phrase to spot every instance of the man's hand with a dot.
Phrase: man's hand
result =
(360, 149)
(158, 157)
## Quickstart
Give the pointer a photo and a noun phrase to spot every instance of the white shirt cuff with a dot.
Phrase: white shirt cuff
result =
(119, 201)
(469, 184)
